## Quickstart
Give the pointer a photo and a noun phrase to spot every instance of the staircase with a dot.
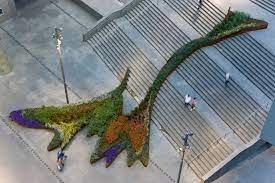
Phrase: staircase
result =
(244, 52)
(235, 107)
(230, 102)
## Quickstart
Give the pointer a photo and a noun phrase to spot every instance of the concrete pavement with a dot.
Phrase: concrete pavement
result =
(17, 164)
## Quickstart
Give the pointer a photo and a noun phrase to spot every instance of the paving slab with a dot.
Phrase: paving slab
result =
(80, 63)
(76, 12)
(17, 164)
(29, 84)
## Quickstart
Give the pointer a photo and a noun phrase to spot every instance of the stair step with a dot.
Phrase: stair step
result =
(267, 5)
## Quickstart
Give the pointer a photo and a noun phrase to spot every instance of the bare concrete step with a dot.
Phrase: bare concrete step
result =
(99, 8)
(267, 5)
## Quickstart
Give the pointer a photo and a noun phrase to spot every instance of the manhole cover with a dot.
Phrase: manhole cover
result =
(4, 65)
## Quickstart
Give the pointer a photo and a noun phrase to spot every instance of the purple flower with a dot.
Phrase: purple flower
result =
(112, 153)
(18, 117)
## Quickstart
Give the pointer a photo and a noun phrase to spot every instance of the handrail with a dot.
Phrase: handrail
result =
(107, 19)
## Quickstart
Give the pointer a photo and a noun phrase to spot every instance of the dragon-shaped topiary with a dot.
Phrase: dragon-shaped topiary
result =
(103, 115)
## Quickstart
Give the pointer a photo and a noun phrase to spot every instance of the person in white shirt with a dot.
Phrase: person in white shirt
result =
(227, 77)
(187, 100)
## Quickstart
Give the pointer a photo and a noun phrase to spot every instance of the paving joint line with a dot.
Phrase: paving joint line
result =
(31, 150)
(163, 171)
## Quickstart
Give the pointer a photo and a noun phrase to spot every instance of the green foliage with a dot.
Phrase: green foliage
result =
(131, 155)
(108, 111)
(67, 120)
(144, 156)
(103, 114)
(231, 22)
(234, 30)
(56, 141)
(100, 148)
(65, 114)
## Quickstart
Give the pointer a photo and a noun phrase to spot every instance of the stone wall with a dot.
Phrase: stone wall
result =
(8, 8)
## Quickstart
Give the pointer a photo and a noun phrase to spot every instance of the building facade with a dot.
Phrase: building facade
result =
(7, 9)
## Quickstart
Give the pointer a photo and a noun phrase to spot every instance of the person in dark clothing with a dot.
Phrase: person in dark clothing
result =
(193, 103)
(60, 155)
(60, 159)
(200, 4)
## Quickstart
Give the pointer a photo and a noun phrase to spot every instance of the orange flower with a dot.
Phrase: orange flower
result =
(113, 130)
(137, 134)
(135, 131)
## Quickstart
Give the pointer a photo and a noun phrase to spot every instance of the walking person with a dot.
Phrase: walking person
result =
(227, 77)
(193, 103)
(60, 155)
(187, 100)
(60, 160)
(200, 4)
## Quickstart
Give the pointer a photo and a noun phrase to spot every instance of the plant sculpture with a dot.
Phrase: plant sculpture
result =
(103, 115)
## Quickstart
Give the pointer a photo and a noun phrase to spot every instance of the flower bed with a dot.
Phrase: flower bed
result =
(18, 117)
(66, 121)
(135, 131)
(112, 153)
